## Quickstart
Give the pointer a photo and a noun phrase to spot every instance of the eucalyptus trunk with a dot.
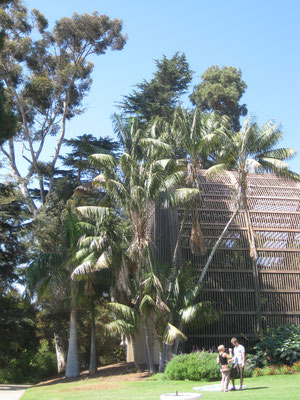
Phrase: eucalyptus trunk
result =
(93, 353)
(72, 370)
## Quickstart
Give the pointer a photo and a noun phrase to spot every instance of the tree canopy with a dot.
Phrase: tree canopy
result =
(221, 90)
(160, 95)
(46, 74)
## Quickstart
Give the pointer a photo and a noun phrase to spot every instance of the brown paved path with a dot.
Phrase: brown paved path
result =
(12, 392)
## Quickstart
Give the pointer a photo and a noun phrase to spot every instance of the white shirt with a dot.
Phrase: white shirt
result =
(238, 354)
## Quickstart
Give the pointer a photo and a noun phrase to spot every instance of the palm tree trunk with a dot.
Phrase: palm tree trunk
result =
(214, 249)
(148, 348)
(175, 266)
(163, 358)
(61, 353)
(253, 255)
(135, 357)
(72, 369)
(93, 354)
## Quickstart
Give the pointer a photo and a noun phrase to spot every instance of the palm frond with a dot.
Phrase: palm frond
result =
(253, 165)
(104, 261)
(103, 161)
(281, 154)
(215, 170)
(172, 333)
(156, 144)
(83, 269)
(124, 312)
(96, 213)
(82, 253)
(120, 326)
(85, 227)
(200, 313)
(273, 164)
(184, 196)
(147, 305)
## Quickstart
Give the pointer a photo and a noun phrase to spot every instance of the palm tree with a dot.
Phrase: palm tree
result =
(170, 309)
(135, 183)
(253, 149)
(99, 249)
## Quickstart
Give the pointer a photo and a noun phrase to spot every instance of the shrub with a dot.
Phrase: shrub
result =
(200, 366)
(280, 346)
(196, 366)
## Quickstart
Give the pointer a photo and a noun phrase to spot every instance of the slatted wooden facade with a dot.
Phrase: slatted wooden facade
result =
(251, 295)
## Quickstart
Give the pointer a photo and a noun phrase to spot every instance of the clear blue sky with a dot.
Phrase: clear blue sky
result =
(262, 37)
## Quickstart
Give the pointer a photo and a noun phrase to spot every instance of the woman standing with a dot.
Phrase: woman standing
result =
(222, 359)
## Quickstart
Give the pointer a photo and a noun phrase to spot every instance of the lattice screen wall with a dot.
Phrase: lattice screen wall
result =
(251, 295)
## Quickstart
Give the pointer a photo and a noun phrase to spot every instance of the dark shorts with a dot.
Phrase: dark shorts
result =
(236, 371)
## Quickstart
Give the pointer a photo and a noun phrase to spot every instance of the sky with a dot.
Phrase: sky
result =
(259, 36)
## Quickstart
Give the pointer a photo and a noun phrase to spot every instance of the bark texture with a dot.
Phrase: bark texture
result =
(72, 370)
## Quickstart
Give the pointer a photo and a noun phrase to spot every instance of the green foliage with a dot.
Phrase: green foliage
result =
(109, 350)
(47, 73)
(159, 96)
(30, 366)
(12, 218)
(281, 345)
(221, 90)
(81, 148)
(198, 366)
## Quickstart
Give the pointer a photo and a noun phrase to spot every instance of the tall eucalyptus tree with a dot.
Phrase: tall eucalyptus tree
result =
(46, 74)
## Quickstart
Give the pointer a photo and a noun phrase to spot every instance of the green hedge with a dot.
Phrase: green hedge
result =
(195, 366)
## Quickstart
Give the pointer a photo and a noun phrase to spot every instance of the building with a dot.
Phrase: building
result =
(251, 294)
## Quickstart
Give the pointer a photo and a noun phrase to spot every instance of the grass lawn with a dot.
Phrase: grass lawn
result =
(284, 387)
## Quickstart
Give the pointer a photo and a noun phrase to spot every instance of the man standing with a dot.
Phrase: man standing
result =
(239, 361)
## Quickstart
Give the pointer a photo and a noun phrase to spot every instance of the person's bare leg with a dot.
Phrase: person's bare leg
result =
(222, 382)
(226, 381)
(233, 385)
(241, 377)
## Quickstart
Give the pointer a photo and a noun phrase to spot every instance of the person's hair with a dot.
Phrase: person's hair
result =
(234, 339)
(220, 348)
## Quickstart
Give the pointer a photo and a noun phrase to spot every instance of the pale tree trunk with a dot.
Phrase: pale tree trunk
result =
(214, 249)
(175, 253)
(163, 357)
(135, 356)
(72, 370)
(59, 143)
(61, 353)
(93, 354)
(148, 348)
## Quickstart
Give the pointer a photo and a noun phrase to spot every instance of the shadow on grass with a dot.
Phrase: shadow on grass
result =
(121, 369)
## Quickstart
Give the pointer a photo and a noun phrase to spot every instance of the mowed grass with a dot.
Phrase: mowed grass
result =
(285, 387)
